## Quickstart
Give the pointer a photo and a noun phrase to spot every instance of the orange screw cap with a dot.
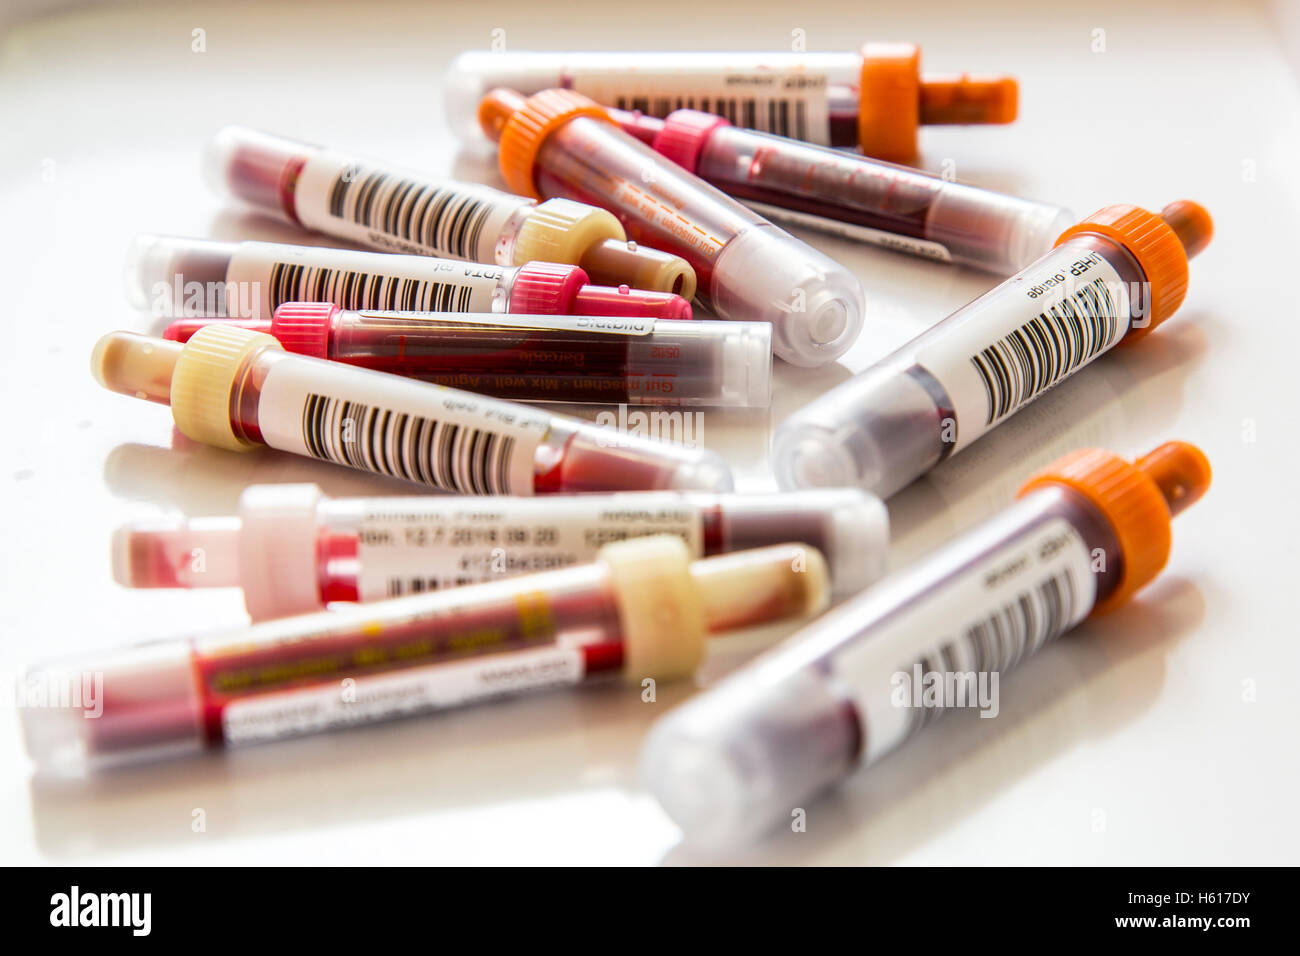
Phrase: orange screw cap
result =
(521, 126)
(1136, 499)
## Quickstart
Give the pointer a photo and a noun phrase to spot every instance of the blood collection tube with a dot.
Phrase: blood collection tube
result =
(637, 361)
(1086, 533)
(1113, 277)
(399, 210)
(174, 276)
(559, 143)
(874, 99)
(237, 389)
(643, 609)
(292, 549)
(854, 196)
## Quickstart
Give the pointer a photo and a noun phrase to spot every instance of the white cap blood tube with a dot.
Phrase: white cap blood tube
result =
(558, 143)
(642, 609)
(400, 210)
(539, 358)
(1113, 277)
(292, 549)
(174, 276)
(238, 389)
(852, 686)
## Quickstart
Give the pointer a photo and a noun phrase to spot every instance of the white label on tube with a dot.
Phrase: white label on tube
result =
(1025, 336)
(786, 100)
(612, 325)
(264, 275)
(416, 545)
(341, 704)
(849, 230)
(947, 647)
(399, 210)
(453, 440)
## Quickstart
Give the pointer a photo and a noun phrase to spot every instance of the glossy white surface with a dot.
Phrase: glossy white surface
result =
(1163, 733)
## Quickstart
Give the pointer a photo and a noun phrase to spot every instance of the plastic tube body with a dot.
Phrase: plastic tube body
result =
(400, 210)
(636, 361)
(342, 668)
(857, 197)
(844, 691)
(943, 390)
(175, 277)
(747, 268)
(238, 389)
(294, 550)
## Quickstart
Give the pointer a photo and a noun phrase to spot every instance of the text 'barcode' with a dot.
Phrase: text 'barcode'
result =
(1046, 349)
(442, 219)
(448, 456)
(777, 115)
(997, 643)
(292, 282)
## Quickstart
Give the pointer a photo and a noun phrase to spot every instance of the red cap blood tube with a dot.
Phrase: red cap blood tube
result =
(558, 143)
(400, 210)
(238, 389)
(875, 98)
(642, 609)
(176, 276)
(853, 196)
(293, 549)
(636, 361)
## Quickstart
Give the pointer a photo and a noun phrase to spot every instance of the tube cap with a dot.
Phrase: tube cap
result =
(561, 230)
(546, 288)
(660, 610)
(1159, 249)
(523, 125)
(683, 135)
(203, 379)
(304, 327)
(1136, 499)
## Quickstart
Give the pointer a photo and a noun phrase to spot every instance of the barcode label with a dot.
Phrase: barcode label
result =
(1047, 348)
(998, 642)
(421, 544)
(275, 273)
(400, 210)
(980, 620)
(399, 427)
(294, 282)
(781, 99)
(1009, 346)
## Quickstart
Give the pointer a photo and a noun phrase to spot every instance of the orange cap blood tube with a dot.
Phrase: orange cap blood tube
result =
(1113, 277)
(850, 687)
(176, 276)
(875, 99)
(642, 609)
(400, 210)
(238, 389)
(854, 196)
(559, 143)
(293, 549)
(535, 358)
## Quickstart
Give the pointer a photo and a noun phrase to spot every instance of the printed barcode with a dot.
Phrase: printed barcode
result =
(778, 115)
(448, 456)
(438, 218)
(1046, 349)
(294, 282)
(397, 587)
(997, 643)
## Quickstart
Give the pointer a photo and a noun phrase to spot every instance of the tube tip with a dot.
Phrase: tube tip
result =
(135, 365)
(1192, 224)
(1181, 472)
(495, 110)
(967, 99)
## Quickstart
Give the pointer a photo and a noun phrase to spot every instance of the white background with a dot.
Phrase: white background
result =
(1163, 733)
